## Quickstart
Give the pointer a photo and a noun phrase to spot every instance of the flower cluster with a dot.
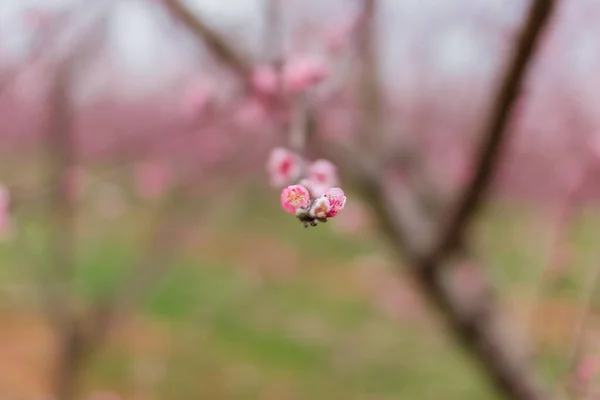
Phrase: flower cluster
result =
(316, 198)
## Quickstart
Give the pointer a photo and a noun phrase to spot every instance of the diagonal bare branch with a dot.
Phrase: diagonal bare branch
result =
(475, 318)
(218, 45)
(369, 80)
(495, 131)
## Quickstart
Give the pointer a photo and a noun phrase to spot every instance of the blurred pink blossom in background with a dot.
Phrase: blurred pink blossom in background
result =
(251, 114)
(264, 79)
(339, 124)
(197, 98)
(587, 369)
(283, 167)
(215, 146)
(316, 189)
(5, 220)
(324, 172)
(321, 176)
(301, 72)
(152, 179)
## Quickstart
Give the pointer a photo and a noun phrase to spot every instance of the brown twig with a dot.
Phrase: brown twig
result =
(273, 32)
(61, 152)
(476, 319)
(369, 85)
(495, 131)
(219, 46)
(73, 347)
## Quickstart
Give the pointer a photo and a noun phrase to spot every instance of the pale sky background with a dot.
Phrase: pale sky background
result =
(148, 47)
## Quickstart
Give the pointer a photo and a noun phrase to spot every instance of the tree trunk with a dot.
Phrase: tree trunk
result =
(71, 358)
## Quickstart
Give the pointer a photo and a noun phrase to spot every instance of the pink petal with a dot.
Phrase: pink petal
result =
(197, 98)
(264, 79)
(303, 72)
(321, 207)
(293, 197)
(324, 172)
(316, 189)
(337, 199)
(283, 167)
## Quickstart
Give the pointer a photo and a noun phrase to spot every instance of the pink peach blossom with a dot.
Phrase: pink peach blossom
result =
(283, 166)
(337, 199)
(303, 72)
(251, 114)
(315, 188)
(321, 176)
(152, 180)
(293, 197)
(587, 368)
(216, 147)
(197, 98)
(264, 79)
(323, 172)
(320, 208)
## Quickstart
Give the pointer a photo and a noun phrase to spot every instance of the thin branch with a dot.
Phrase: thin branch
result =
(44, 44)
(218, 45)
(496, 131)
(475, 318)
(369, 80)
(371, 129)
(273, 31)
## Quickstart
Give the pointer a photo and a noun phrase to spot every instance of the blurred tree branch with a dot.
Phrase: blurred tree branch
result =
(74, 345)
(435, 251)
(369, 86)
(218, 45)
(62, 245)
(273, 33)
(46, 42)
(494, 134)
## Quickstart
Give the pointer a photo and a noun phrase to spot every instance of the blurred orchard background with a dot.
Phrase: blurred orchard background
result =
(145, 253)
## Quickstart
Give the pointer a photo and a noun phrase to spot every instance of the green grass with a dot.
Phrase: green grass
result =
(308, 337)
